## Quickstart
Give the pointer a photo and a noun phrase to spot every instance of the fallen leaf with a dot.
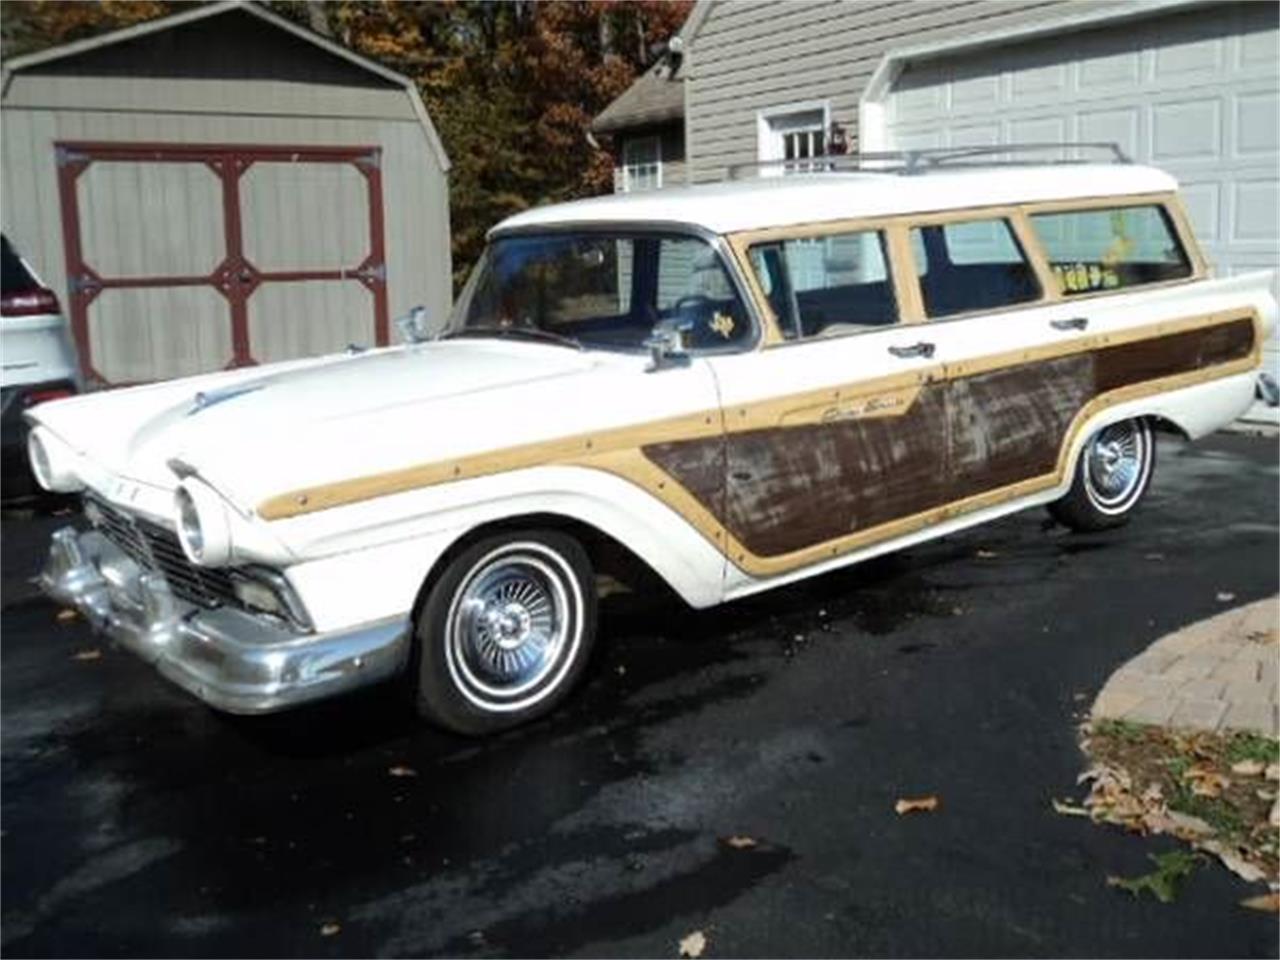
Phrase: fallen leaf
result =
(1225, 597)
(1232, 860)
(1153, 556)
(986, 554)
(91, 654)
(1273, 771)
(402, 771)
(693, 945)
(1248, 768)
(330, 929)
(916, 804)
(1184, 824)
(741, 843)
(66, 615)
(1067, 809)
(1205, 781)
(1268, 902)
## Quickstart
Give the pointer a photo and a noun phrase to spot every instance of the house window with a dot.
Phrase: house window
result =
(795, 136)
(641, 164)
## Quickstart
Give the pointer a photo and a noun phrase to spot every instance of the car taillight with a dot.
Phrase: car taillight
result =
(26, 303)
(49, 393)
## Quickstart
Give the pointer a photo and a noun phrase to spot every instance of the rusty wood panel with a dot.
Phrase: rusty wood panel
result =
(699, 466)
(1008, 425)
(1129, 363)
(788, 488)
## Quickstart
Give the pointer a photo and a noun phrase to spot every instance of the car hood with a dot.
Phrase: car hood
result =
(250, 432)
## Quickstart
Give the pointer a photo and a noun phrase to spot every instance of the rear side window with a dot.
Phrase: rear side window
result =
(827, 286)
(971, 265)
(1111, 248)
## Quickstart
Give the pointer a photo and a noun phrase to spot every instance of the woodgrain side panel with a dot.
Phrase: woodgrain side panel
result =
(1141, 360)
(791, 488)
(1007, 425)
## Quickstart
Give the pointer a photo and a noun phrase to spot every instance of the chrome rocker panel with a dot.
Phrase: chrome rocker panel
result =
(232, 660)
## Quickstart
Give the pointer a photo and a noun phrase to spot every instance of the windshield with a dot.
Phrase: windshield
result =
(602, 290)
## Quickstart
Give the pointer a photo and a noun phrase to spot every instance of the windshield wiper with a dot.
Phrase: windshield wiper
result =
(527, 333)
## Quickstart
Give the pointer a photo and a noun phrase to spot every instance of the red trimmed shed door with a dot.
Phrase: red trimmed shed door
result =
(183, 259)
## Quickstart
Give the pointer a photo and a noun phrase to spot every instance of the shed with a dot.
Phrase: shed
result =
(221, 188)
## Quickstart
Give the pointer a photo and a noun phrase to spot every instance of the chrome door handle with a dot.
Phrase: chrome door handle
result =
(921, 349)
(1075, 323)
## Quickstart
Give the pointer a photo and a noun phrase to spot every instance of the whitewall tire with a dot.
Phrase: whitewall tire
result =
(1112, 475)
(505, 631)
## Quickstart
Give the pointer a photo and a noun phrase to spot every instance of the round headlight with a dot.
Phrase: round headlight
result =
(204, 529)
(52, 462)
(189, 524)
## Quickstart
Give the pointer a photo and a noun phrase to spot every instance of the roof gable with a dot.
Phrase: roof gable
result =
(119, 49)
(230, 45)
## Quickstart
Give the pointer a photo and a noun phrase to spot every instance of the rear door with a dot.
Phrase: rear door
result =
(183, 259)
(836, 433)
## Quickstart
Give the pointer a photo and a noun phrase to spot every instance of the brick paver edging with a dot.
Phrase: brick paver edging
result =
(1218, 674)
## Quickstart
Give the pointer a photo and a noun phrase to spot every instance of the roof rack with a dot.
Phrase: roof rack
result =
(912, 162)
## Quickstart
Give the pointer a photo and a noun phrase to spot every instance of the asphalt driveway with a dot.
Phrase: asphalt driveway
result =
(138, 822)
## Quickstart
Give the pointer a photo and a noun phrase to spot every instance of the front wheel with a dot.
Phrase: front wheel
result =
(505, 631)
(1112, 474)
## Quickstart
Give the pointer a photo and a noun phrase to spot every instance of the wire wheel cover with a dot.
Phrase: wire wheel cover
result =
(1116, 464)
(513, 627)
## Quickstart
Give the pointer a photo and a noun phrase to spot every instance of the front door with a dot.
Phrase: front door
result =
(835, 436)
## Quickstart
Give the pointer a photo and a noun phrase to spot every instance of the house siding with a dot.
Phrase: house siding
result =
(753, 55)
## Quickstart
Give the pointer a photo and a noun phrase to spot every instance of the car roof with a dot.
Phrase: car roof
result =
(736, 205)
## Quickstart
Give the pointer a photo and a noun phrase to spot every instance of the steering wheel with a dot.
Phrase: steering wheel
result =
(692, 300)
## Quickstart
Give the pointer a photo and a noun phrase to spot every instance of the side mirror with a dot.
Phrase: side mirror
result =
(413, 325)
(666, 343)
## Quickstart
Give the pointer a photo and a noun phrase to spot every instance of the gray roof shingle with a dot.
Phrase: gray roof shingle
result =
(656, 97)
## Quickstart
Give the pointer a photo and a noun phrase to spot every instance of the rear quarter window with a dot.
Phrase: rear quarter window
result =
(1111, 248)
(971, 265)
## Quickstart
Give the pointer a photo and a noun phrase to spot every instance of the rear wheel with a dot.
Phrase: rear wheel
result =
(1111, 476)
(505, 632)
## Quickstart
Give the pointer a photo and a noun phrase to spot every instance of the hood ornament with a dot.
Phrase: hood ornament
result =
(208, 398)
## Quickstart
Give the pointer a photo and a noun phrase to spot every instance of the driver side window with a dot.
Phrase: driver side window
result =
(692, 286)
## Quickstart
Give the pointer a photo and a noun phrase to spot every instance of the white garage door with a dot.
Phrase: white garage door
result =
(1194, 93)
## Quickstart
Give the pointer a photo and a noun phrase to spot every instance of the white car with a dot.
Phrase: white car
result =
(740, 385)
(37, 362)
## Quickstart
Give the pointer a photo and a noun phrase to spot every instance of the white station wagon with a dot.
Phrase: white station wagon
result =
(740, 385)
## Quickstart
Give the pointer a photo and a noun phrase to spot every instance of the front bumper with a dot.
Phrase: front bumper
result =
(230, 659)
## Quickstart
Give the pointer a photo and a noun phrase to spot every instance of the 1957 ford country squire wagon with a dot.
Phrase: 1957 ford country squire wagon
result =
(740, 384)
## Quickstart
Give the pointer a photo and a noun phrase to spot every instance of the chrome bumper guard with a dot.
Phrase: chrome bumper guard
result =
(230, 659)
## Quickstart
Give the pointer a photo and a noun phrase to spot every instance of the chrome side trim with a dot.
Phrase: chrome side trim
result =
(230, 659)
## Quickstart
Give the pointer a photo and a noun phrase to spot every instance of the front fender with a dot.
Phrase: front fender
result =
(369, 559)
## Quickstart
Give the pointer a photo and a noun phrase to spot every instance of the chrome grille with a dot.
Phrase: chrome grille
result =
(156, 548)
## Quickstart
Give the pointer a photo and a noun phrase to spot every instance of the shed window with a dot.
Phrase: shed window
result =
(1111, 248)
(971, 265)
(827, 286)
